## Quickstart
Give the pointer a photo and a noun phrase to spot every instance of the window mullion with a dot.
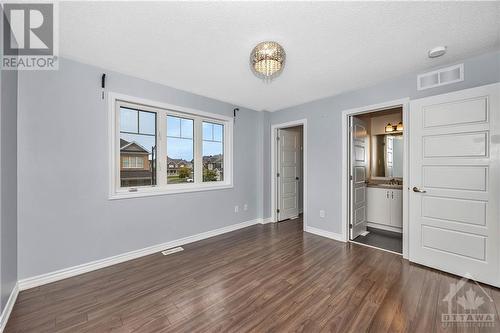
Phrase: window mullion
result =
(198, 150)
(117, 169)
(161, 139)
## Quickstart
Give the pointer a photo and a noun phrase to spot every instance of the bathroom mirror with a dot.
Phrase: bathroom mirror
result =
(386, 156)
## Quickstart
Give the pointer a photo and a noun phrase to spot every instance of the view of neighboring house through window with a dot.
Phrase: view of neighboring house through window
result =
(132, 162)
(180, 150)
(213, 152)
(137, 148)
(165, 149)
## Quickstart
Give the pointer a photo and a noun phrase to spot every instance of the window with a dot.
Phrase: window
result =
(180, 150)
(137, 147)
(132, 162)
(213, 152)
(161, 149)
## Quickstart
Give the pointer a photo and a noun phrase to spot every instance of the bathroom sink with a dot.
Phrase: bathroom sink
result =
(393, 186)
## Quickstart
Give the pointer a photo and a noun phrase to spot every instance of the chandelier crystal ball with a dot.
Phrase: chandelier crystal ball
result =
(267, 60)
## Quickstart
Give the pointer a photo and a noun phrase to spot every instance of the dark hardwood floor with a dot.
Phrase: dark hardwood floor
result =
(264, 278)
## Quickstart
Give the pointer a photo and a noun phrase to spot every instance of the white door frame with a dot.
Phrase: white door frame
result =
(274, 159)
(404, 103)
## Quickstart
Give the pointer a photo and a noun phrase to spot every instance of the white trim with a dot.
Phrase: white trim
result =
(154, 191)
(42, 279)
(162, 188)
(112, 96)
(374, 247)
(406, 179)
(274, 129)
(323, 233)
(4, 317)
(384, 227)
(266, 220)
(345, 163)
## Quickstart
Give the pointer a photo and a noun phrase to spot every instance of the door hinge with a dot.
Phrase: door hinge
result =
(350, 177)
(277, 138)
(277, 210)
(350, 225)
(278, 174)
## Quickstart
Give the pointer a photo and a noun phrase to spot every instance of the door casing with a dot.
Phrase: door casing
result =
(403, 103)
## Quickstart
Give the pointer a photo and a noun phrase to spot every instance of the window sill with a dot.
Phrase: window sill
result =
(155, 191)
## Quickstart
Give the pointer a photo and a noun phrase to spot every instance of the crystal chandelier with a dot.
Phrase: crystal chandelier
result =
(267, 60)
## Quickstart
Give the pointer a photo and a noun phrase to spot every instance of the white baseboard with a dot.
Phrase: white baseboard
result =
(4, 317)
(267, 220)
(42, 279)
(327, 234)
(384, 227)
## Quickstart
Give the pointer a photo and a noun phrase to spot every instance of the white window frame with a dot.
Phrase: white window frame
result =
(115, 101)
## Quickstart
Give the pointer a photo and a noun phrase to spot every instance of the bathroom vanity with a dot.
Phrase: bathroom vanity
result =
(385, 206)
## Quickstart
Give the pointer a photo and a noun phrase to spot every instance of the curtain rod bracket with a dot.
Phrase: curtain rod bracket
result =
(234, 113)
(103, 84)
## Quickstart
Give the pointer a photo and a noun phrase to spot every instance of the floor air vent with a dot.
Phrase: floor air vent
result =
(440, 77)
(173, 250)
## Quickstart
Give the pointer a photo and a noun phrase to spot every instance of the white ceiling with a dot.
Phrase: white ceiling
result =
(332, 47)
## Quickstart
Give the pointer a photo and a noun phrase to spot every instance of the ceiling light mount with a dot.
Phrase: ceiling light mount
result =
(267, 60)
(437, 51)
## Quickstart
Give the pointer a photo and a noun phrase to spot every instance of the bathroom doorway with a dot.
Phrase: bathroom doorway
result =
(376, 175)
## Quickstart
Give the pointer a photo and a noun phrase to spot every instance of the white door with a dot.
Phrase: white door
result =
(359, 154)
(289, 146)
(455, 182)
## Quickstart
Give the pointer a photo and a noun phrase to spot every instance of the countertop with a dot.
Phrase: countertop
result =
(386, 186)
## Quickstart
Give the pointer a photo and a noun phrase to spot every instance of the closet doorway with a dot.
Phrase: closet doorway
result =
(289, 171)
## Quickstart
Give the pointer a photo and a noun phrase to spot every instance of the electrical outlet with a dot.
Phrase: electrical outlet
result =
(236, 209)
(321, 213)
(245, 207)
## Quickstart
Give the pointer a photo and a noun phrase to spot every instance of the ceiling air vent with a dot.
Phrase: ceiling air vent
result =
(440, 77)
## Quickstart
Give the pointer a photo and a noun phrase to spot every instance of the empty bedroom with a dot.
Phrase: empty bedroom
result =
(241, 166)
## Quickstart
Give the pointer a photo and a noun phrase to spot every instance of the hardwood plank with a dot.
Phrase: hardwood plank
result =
(264, 278)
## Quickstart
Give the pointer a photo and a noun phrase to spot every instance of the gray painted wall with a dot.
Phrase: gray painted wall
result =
(65, 217)
(8, 184)
(325, 139)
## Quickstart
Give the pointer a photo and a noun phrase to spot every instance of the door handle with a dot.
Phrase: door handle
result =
(416, 189)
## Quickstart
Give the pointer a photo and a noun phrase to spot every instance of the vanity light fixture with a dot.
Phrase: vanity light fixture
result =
(394, 128)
